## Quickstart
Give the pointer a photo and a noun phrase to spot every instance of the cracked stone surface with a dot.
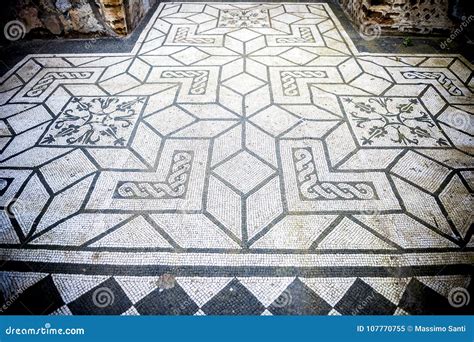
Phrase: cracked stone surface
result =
(242, 159)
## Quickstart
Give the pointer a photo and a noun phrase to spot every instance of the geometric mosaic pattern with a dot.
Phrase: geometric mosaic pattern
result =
(59, 294)
(248, 150)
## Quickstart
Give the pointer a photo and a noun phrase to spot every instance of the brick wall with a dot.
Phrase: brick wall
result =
(76, 18)
(418, 16)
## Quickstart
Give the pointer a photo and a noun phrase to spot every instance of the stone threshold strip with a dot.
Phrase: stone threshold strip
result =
(209, 260)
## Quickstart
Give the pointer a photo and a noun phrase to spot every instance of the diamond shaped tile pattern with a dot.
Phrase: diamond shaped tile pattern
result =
(42, 298)
(274, 120)
(361, 299)
(244, 34)
(298, 56)
(107, 298)
(234, 299)
(420, 299)
(243, 83)
(298, 299)
(190, 55)
(164, 296)
(172, 301)
(244, 171)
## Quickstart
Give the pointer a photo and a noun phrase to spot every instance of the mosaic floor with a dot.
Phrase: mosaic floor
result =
(242, 159)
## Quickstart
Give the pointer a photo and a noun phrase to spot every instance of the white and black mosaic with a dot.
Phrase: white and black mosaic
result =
(242, 159)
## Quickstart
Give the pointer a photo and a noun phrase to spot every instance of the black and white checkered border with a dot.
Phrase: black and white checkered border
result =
(72, 294)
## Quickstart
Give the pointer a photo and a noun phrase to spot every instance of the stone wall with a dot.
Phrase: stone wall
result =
(136, 10)
(76, 18)
(417, 16)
